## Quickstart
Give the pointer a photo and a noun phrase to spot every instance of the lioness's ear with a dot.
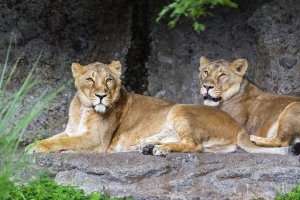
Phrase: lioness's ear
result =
(203, 62)
(76, 67)
(115, 66)
(239, 66)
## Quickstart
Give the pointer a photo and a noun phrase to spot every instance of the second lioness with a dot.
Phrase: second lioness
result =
(105, 118)
(271, 119)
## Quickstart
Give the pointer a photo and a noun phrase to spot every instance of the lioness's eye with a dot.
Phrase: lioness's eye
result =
(108, 80)
(90, 80)
(222, 75)
(205, 72)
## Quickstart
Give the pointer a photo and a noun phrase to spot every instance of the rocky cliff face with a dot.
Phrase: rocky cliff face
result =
(158, 62)
(276, 28)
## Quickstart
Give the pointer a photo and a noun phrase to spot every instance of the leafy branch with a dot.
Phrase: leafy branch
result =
(192, 9)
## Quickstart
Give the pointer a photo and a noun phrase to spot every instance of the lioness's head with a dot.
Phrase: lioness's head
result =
(98, 85)
(220, 79)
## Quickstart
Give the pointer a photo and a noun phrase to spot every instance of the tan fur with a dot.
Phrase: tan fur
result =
(127, 122)
(271, 119)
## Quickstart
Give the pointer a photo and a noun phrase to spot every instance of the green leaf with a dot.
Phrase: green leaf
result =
(192, 9)
(198, 27)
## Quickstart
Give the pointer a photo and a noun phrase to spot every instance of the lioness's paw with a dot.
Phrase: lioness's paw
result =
(30, 149)
(160, 150)
(37, 147)
(295, 148)
(254, 138)
(147, 149)
(154, 149)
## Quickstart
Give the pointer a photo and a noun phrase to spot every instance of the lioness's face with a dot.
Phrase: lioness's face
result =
(220, 80)
(98, 84)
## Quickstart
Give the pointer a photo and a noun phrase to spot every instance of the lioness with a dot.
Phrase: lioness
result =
(272, 120)
(105, 118)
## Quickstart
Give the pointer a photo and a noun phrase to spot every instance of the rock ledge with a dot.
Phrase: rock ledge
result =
(177, 176)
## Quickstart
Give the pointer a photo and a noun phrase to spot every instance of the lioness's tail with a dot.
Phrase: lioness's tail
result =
(244, 142)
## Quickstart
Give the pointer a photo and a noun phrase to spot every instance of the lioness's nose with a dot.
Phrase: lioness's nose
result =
(208, 87)
(101, 96)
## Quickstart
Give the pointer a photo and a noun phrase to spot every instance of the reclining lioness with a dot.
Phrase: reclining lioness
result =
(105, 118)
(272, 120)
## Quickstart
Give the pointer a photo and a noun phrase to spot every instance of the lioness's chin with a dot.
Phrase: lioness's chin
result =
(212, 103)
(100, 108)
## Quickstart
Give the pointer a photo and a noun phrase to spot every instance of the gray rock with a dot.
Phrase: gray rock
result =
(56, 20)
(167, 59)
(277, 34)
(288, 63)
(27, 33)
(177, 176)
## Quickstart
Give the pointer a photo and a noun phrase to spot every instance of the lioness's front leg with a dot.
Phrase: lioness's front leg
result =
(34, 147)
(92, 134)
(82, 143)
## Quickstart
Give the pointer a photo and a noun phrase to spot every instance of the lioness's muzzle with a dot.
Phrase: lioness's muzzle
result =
(207, 96)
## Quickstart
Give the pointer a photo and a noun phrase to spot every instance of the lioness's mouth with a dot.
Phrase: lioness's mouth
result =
(207, 96)
(101, 108)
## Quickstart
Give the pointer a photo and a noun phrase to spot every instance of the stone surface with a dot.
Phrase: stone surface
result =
(65, 32)
(277, 29)
(288, 63)
(234, 176)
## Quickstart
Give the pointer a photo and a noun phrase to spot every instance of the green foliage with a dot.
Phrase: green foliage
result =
(6, 185)
(14, 122)
(45, 188)
(293, 195)
(192, 9)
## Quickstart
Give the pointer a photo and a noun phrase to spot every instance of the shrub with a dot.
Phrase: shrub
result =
(293, 195)
(45, 188)
(192, 9)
